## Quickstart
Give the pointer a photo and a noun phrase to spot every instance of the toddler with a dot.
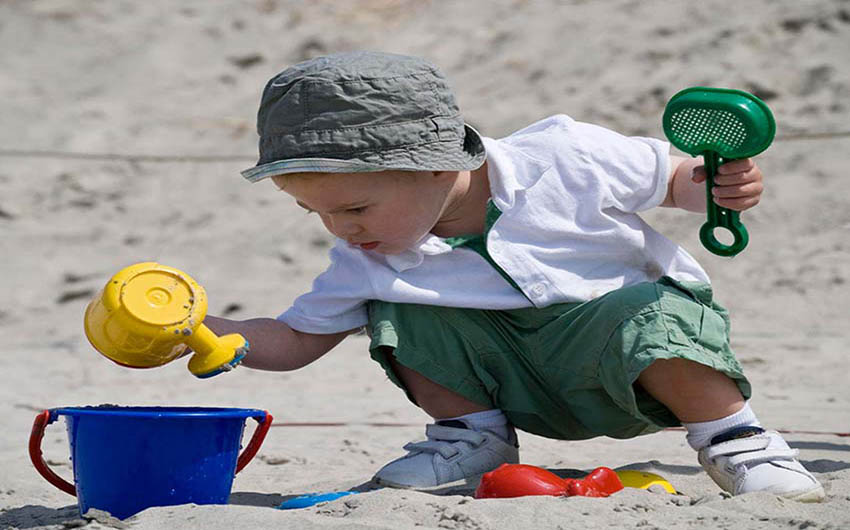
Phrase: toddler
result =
(506, 283)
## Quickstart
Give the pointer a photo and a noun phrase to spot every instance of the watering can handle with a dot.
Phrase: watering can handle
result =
(42, 420)
(253, 446)
(719, 217)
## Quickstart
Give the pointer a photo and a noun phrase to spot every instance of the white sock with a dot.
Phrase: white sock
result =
(701, 433)
(493, 420)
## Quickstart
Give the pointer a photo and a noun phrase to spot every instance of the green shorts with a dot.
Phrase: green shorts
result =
(566, 371)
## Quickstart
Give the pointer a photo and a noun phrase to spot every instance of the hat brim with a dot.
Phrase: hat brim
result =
(434, 156)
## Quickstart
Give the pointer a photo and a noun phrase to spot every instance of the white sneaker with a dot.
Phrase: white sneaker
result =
(451, 459)
(748, 459)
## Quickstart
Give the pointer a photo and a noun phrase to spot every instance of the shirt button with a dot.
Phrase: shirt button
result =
(537, 289)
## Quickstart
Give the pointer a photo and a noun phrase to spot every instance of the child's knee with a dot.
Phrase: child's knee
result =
(691, 390)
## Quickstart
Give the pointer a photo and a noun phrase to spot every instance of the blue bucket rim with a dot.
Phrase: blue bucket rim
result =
(158, 412)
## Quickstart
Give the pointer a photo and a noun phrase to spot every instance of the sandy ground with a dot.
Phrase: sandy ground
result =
(167, 79)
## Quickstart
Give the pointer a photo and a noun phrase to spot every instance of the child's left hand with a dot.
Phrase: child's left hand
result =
(737, 185)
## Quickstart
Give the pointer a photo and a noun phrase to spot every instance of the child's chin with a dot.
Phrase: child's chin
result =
(387, 250)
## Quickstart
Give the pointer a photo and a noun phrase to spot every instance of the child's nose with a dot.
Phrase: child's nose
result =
(342, 228)
(350, 229)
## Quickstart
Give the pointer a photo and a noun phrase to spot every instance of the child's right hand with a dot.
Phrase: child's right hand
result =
(738, 184)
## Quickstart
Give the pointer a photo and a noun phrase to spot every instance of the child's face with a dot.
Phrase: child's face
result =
(385, 212)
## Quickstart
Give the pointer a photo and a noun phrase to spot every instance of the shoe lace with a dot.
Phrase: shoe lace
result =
(441, 440)
(750, 451)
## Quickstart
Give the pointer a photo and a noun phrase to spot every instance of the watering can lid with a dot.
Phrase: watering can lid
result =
(158, 297)
(154, 294)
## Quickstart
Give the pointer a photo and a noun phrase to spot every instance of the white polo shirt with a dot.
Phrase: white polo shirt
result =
(569, 193)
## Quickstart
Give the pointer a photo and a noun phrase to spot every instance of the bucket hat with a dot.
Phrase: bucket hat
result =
(362, 111)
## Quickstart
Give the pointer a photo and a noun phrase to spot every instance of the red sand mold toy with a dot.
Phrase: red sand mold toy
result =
(519, 480)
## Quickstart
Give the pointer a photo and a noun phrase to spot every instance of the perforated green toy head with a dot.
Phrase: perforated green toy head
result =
(732, 123)
(721, 124)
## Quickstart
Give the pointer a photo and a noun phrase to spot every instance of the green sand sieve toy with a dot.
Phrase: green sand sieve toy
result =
(720, 124)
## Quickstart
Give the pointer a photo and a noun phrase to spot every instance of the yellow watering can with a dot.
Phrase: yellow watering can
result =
(148, 315)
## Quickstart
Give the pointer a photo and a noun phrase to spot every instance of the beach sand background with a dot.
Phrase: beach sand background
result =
(158, 99)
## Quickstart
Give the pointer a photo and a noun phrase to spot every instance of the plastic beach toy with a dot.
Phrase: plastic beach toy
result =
(644, 480)
(127, 459)
(148, 315)
(519, 480)
(311, 499)
(722, 125)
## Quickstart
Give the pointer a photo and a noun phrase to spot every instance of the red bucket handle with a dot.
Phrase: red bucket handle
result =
(265, 422)
(42, 420)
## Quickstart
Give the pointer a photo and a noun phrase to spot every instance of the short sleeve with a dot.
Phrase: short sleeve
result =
(337, 300)
(635, 171)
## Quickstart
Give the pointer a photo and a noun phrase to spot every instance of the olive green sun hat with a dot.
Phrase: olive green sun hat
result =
(362, 111)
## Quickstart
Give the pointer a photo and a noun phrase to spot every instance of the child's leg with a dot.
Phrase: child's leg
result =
(668, 360)
(467, 440)
(445, 405)
(733, 448)
(436, 400)
(692, 391)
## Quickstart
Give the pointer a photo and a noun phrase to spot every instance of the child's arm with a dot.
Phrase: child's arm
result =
(274, 345)
(737, 185)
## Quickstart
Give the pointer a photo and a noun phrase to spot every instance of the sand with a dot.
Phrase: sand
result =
(167, 92)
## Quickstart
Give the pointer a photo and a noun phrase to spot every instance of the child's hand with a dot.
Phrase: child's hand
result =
(737, 185)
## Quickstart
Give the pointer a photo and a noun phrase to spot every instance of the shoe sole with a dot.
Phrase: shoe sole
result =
(813, 495)
(464, 485)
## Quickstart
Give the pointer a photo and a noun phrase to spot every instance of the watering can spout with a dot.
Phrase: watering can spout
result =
(148, 315)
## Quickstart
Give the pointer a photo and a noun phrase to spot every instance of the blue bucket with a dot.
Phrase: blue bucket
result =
(127, 459)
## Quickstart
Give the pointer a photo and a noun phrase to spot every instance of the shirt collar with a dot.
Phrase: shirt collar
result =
(429, 245)
(511, 171)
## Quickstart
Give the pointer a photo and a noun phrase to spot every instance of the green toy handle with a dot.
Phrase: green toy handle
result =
(719, 217)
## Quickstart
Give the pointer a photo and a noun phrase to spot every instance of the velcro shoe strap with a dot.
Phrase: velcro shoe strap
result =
(739, 445)
(444, 449)
(440, 439)
(453, 434)
(758, 457)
